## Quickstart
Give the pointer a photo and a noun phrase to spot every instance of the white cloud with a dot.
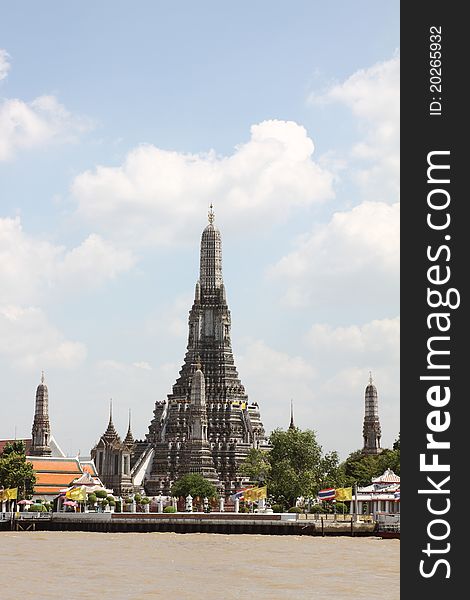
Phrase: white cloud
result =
(171, 320)
(328, 394)
(375, 343)
(28, 341)
(26, 125)
(352, 259)
(30, 268)
(373, 96)
(327, 381)
(4, 63)
(273, 378)
(115, 365)
(142, 365)
(156, 195)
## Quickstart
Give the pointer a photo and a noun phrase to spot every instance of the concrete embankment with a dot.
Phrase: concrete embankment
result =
(226, 523)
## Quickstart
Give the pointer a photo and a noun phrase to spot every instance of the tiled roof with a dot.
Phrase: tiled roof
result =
(57, 479)
(53, 474)
(50, 490)
(388, 477)
(56, 465)
(89, 467)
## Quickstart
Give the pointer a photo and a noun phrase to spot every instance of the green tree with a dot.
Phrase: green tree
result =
(15, 471)
(330, 471)
(193, 484)
(360, 468)
(15, 447)
(389, 459)
(256, 465)
(396, 443)
(296, 465)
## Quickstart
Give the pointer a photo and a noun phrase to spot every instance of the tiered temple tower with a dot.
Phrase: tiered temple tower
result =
(371, 430)
(206, 425)
(112, 458)
(41, 431)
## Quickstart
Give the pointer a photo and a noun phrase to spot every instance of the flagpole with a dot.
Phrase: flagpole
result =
(355, 501)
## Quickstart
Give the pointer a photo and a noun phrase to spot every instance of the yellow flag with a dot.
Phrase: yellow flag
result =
(250, 495)
(343, 494)
(256, 493)
(77, 493)
(261, 492)
(12, 493)
(8, 494)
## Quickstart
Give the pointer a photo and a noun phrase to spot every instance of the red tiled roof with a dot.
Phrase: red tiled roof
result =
(51, 489)
(60, 479)
(54, 474)
(56, 465)
(89, 467)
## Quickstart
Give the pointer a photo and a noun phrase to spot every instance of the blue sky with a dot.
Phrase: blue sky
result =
(119, 124)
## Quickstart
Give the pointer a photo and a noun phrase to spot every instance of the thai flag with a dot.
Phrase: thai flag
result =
(327, 494)
(397, 495)
(237, 495)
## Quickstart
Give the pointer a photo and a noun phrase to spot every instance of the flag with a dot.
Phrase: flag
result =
(396, 495)
(76, 493)
(262, 492)
(343, 494)
(256, 493)
(12, 493)
(250, 494)
(327, 494)
(8, 494)
(237, 495)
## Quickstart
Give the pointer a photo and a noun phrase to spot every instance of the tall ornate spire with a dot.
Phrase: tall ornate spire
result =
(206, 425)
(211, 257)
(129, 439)
(291, 425)
(210, 214)
(41, 431)
(110, 433)
(371, 431)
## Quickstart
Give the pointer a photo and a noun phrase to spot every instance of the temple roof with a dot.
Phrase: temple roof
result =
(387, 477)
(53, 474)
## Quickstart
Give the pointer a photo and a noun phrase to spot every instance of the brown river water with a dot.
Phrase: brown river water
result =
(140, 566)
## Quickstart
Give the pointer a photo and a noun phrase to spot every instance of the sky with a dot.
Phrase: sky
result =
(120, 123)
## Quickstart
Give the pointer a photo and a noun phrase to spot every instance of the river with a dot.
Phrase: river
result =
(140, 566)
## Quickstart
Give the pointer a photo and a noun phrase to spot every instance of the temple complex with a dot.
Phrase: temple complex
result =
(371, 431)
(207, 424)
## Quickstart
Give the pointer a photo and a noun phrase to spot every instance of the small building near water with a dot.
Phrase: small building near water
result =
(381, 496)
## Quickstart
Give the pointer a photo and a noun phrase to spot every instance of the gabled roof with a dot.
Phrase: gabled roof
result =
(89, 467)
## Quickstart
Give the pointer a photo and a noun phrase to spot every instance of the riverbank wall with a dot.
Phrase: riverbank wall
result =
(225, 523)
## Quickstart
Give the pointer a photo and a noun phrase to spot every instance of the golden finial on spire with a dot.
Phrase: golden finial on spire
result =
(42, 376)
(210, 214)
(370, 377)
